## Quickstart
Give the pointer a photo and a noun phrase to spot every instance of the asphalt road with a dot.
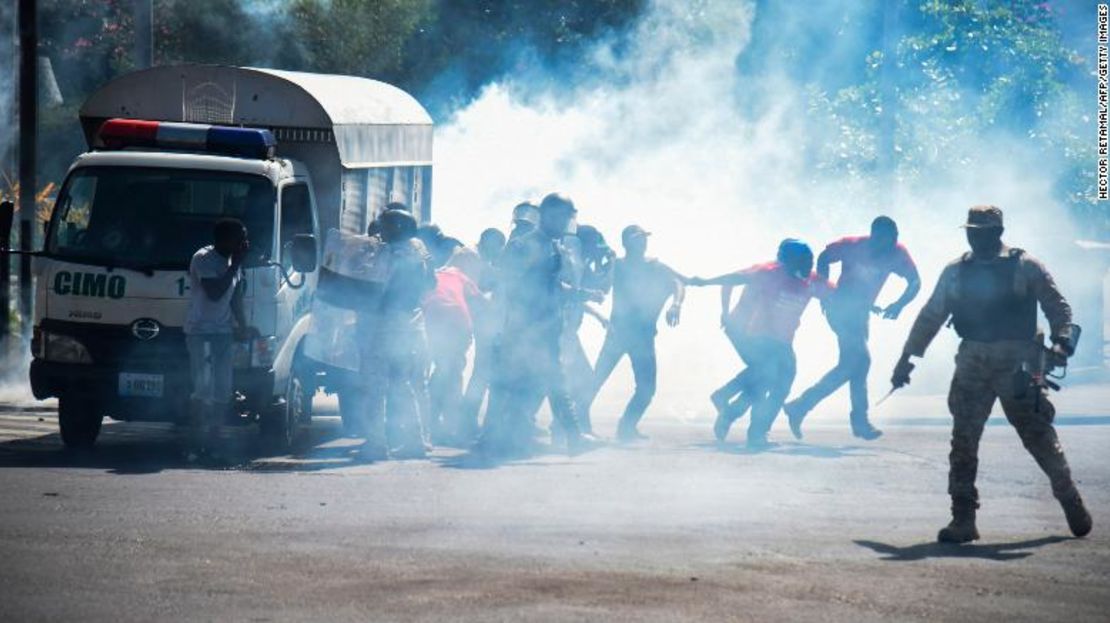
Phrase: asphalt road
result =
(829, 529)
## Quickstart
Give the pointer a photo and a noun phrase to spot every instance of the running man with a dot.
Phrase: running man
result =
(761, 328)
(865, 264)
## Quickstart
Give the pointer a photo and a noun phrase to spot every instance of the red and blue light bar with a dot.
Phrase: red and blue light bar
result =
(244, 142)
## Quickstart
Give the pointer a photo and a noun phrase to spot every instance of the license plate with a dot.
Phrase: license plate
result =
(141, 385)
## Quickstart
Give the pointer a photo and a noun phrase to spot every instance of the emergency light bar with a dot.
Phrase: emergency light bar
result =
(245, 142)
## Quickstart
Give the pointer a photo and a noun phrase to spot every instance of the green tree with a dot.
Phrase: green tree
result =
(357, 37)
(206, 31)
(966, 70)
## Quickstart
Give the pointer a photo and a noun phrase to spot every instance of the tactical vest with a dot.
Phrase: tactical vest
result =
(992, 301)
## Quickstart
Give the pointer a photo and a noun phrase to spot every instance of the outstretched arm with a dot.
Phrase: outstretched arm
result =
(738, 278)
(727, 282)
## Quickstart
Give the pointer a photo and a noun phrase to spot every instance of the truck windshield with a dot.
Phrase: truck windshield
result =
(155, 218)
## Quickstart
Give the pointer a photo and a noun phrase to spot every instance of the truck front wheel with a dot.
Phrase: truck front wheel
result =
(281, 422)
(79, 421)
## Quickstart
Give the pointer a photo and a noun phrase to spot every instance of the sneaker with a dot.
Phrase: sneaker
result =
(759, 443)
(1079, 520)
(867, 432)
(794, 415)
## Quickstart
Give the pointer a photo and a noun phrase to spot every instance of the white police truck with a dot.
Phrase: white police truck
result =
(173, 150)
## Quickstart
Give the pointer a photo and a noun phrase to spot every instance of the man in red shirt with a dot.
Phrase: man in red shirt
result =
(865, 264)
(450, 325)
(761, 328)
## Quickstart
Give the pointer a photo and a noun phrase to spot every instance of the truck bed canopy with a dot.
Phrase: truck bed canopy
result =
(371, 123)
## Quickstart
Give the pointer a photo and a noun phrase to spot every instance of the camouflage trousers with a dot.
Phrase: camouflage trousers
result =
(986, 372)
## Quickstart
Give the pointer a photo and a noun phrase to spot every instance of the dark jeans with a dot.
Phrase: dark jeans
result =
(763, 385)
(211, 370)
(852, 366)
(639, 345)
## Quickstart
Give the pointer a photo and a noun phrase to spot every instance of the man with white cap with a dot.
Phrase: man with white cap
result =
(641, 286)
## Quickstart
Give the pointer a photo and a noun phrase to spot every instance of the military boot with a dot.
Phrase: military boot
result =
(1079, 520)
(962, 528)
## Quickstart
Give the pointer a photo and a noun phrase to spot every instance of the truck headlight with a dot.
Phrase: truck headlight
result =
(64, 349)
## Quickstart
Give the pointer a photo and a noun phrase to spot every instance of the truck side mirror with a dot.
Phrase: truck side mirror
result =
(303, 253)
(7, 217)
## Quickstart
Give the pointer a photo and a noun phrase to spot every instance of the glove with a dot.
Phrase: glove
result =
(902, 369)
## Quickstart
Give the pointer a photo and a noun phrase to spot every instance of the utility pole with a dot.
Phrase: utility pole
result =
(7, 165)
(144, 34)
(28, 134)
(6, 211)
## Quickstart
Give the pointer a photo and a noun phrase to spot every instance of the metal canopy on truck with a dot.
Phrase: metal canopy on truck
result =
(365, 142)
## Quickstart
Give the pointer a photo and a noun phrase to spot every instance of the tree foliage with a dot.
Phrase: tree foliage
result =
(356, 37)
(965, 70)
(957, 70)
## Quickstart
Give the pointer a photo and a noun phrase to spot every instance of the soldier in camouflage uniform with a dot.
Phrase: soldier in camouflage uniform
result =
(991, 295)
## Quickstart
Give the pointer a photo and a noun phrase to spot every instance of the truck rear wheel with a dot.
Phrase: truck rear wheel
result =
(282, 421)
(79, 422)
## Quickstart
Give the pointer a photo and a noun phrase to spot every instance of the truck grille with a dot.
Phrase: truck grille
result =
(117, 345)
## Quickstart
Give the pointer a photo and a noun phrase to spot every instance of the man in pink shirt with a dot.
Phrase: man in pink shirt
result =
(761, 328)
(450, 325)
(865, 264)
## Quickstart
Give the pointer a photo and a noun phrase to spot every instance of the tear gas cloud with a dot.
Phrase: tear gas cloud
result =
(661, 140)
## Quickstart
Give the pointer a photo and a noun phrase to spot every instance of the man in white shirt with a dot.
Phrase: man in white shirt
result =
(214, 317)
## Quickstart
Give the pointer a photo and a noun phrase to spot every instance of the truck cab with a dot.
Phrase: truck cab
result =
(172, 151)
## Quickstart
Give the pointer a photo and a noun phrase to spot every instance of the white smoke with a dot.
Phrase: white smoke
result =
(664, 144)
